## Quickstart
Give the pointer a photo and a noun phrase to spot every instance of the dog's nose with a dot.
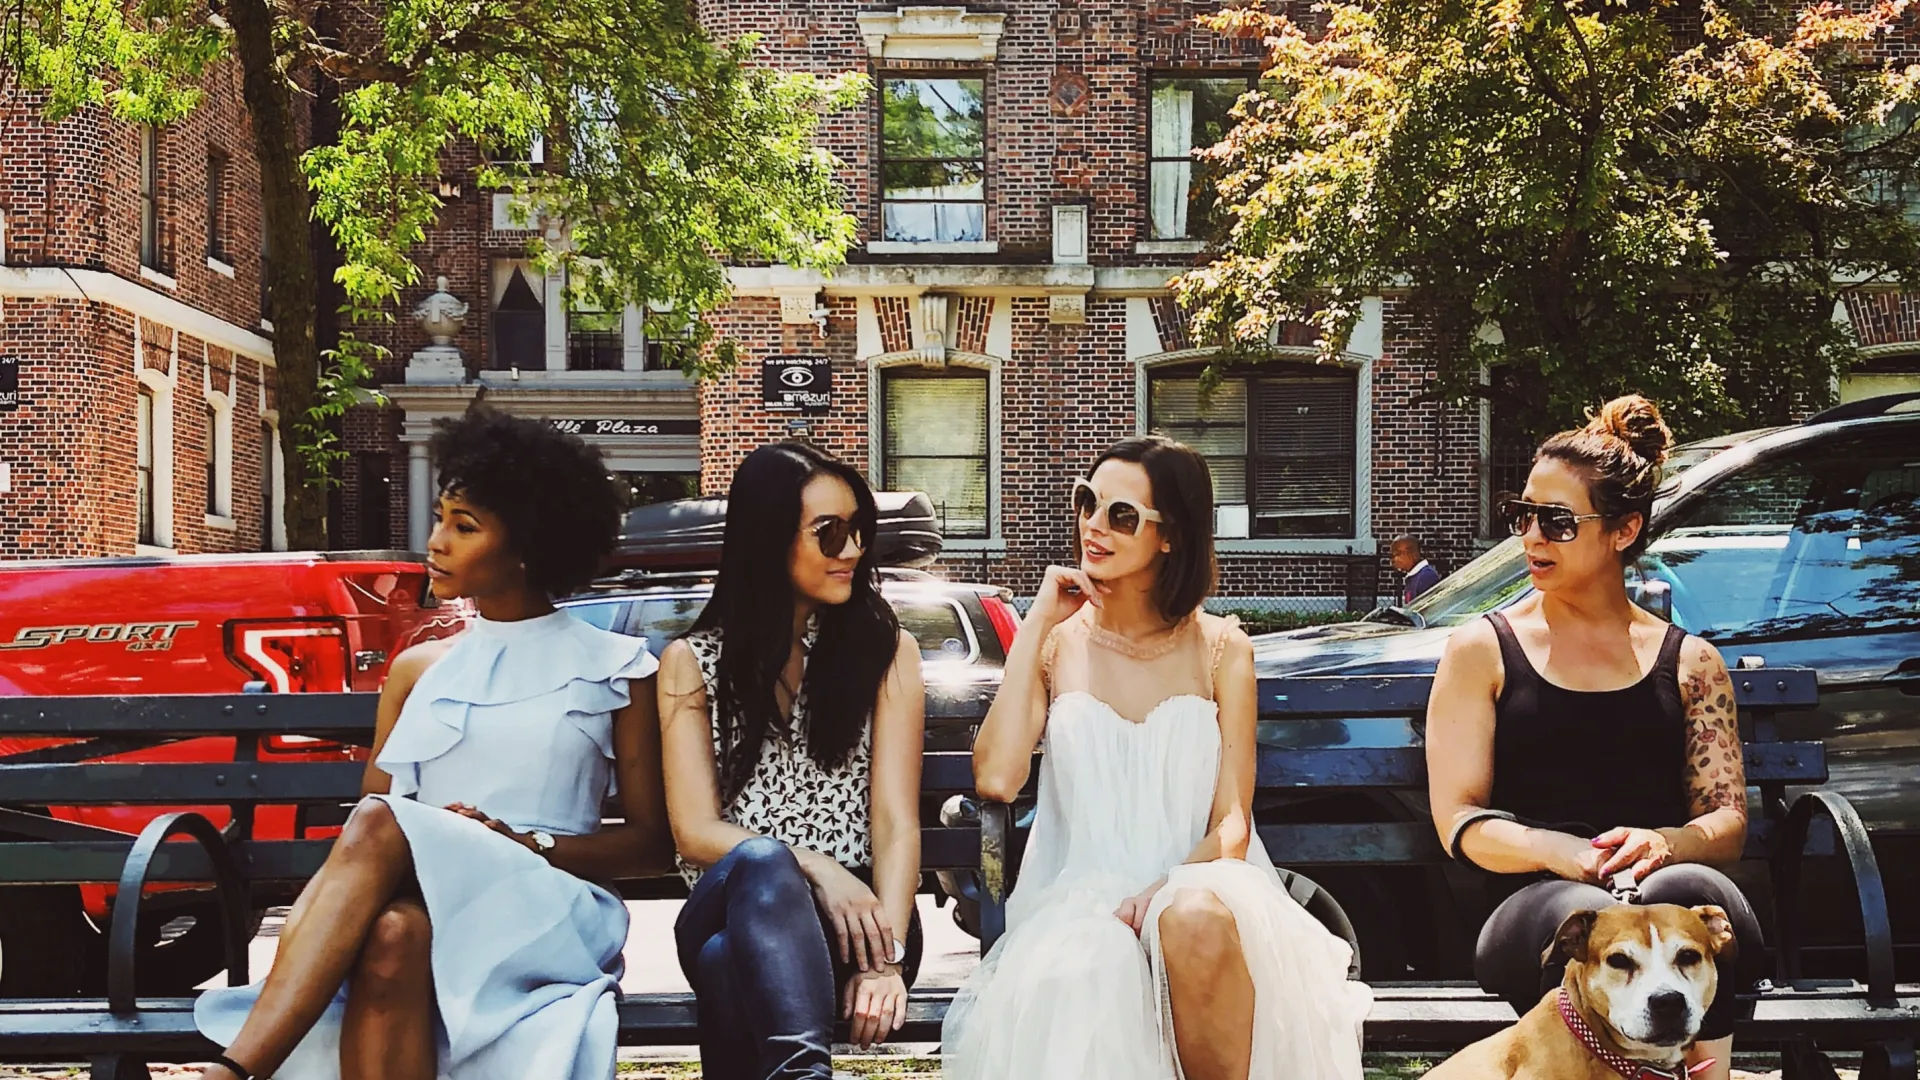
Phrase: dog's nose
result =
(1667, 1008)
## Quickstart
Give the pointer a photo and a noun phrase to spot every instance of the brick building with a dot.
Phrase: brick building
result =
(132, 337)
(1024, 191)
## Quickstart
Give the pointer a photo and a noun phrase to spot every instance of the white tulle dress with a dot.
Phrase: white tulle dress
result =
(517, 719)
(1069, 991)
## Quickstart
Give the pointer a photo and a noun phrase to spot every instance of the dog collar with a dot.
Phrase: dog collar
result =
(1626, 1067)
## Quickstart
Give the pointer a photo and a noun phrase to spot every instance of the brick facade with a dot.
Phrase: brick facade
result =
(90, 326)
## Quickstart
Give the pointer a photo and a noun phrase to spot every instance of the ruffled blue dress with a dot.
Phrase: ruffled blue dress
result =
(516, 719)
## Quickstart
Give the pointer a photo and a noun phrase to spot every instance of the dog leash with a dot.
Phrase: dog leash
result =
(1626, 1067)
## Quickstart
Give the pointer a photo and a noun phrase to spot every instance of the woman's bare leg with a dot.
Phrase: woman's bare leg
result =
(1210, 987)
(322, 937)
(388, 1030)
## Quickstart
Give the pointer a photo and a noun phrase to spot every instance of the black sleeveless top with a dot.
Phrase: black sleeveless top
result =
(1583, 761)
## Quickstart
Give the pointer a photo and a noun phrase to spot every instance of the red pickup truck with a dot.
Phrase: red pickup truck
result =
(196, 624)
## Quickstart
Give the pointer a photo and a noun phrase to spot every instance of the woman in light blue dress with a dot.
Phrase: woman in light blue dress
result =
(455, 930)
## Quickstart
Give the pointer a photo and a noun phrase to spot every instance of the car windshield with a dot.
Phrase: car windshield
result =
(1499, 577)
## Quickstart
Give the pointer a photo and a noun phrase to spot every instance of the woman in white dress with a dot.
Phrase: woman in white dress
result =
(454, 930)
(1149, 936)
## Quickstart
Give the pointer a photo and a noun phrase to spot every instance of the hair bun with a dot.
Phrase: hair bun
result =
(1635, 421)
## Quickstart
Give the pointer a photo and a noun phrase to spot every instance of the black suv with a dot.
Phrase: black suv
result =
(1794, 546)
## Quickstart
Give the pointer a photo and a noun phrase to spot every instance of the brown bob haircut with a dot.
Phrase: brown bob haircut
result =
(1183, 494)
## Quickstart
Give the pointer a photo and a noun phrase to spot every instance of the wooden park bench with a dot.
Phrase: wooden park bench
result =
(119, 1034)
(1322, 735)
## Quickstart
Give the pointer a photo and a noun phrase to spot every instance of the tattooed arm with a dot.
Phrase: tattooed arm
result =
(1716, 777)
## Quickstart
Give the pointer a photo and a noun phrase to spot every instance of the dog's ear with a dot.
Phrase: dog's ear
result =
(1720, 940)
(1570, 941)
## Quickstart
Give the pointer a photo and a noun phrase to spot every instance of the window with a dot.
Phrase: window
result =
(595, 340)
(143, 465)
(1281, 448)
(376, 500)
(933, 138)
(217, 205)
(266, 274)
(1826, 541)
(1510, 443)
(1886, 170)
(936, 440)
(1186, 115)
(267, 471)
(519, 319)
(150, 197)
(605, 614)
(214, 508)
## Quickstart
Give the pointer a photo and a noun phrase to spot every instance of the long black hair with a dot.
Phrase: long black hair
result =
(753, 605)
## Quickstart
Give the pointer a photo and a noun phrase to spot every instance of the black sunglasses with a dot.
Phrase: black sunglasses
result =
(832, 534)
(1122, 516)
(1558, 524)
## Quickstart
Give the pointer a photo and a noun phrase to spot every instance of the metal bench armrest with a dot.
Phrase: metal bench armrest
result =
(123, 939)
(1787, 869)
(996, 870)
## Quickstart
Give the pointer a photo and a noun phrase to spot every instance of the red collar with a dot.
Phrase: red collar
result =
(1626, 1067)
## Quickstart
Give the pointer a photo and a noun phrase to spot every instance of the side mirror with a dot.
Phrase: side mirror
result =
(1654, 596)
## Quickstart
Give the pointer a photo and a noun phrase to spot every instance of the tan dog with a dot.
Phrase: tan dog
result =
(1639, 981)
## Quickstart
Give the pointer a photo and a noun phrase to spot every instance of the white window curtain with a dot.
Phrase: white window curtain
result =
(935, 222)
(1172, 138)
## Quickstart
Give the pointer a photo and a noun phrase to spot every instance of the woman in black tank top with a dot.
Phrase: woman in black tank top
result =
(1577, 745)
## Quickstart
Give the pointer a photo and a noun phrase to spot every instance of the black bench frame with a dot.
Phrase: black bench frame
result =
(120, 1034)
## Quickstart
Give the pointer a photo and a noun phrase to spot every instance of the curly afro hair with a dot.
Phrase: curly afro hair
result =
(562, 511)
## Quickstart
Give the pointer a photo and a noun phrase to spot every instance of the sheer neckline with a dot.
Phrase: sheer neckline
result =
(1154, 648)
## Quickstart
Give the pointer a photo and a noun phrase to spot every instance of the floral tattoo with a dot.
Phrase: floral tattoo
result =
(1716, 777)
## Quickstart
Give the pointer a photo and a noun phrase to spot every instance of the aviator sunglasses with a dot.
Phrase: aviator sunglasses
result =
(1122, 516)
(1558, 524)
(832, 534)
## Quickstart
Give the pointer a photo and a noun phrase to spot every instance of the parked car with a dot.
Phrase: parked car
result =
(197, 624)
(964, 632)
(1794, 546)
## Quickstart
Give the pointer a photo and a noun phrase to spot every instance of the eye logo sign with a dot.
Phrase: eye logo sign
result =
(797, 384)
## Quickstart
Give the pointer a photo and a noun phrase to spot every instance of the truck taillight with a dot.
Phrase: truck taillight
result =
(1005, 620)
(292, 656)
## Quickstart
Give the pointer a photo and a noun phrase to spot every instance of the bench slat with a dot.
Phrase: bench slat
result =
(1406, 695)
(95, 861)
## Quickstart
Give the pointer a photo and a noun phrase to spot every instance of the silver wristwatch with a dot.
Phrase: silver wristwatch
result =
(542, 842)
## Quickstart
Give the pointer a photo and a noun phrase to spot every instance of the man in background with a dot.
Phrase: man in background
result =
(1420, 574)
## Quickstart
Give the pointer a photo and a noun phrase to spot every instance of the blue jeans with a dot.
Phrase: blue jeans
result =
(753, 946)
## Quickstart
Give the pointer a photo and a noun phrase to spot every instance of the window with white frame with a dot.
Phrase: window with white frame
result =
(269, 442)
(1280, 446)
(143, 474)
(219, 463)
(936, 438)
(1186, 115)
(519, 317)
(933, 160)
(596, 337)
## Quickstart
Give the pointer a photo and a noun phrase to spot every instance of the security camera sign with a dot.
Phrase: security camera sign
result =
(797, 384)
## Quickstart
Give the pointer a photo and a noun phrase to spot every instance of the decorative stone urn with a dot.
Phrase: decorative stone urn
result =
(442, 315)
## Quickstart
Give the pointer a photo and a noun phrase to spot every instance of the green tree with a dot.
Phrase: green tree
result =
(674, 152)
(1605, 195)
